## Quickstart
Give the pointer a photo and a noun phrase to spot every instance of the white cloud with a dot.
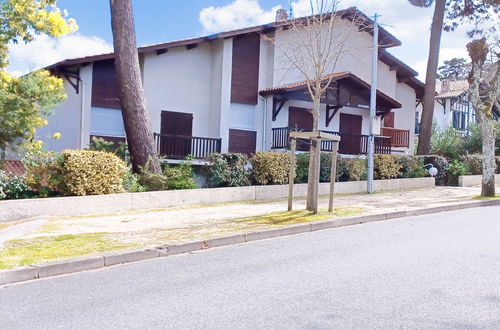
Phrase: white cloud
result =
(408, 23)
(45, 50)
(238, 14)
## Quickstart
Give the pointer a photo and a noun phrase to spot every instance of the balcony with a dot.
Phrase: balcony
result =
(399, 137)
(179, 146)
(349, 144)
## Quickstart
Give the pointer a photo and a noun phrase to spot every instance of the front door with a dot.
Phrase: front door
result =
(300, 119)
(176, 131)
(350, 132)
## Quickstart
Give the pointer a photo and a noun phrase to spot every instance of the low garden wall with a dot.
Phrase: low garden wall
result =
(104, 204)
(473, 180)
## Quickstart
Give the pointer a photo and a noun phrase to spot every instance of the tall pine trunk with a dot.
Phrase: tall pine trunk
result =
(135, 114)
(424, 137)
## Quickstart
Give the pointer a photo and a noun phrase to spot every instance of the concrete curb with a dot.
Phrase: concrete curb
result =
(50, 269)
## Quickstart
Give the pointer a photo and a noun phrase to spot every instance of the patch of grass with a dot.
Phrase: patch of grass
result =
(21, 252)
(486, 198)
(298, 216)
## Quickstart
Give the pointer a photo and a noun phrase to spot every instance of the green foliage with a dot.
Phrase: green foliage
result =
(473, 164)
(348, 169)
(412, 167)
(386, 167)
(25, 102)
(44, 171)
(301, 167)
(13, 187)
(179, 176)
(473, 142)
(99, 144)
(455, 170)
(87, 172)
(447, 143)
(131, 183)
(271, 167)
(454, 69)
(227, 170)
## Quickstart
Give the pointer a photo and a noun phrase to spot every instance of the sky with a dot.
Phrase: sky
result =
(167, 20)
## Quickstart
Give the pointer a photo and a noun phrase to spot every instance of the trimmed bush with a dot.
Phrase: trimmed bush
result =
(386, 167)
(473, 164)
(271, 167)
(179, 176)
(497, 161)
(412, 167)
(87, 172)
(227, 170)
(302, 167)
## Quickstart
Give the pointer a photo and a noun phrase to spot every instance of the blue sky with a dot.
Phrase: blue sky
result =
(167, 20)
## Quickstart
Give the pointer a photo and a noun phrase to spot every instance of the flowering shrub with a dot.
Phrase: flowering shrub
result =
(13, 187)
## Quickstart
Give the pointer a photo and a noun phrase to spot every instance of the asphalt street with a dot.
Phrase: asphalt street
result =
(438, 271)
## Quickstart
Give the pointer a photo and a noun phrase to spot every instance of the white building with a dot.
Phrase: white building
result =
(451, 106)
(226, 92)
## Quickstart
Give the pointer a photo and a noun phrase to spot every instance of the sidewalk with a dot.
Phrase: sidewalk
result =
(58, 238)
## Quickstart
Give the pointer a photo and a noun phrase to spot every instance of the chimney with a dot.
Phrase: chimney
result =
(281, 15)
(445, 86)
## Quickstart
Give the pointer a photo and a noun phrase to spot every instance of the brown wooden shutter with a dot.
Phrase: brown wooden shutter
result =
(245, 70)
(241, 141)
(389, 120)
(105, 89)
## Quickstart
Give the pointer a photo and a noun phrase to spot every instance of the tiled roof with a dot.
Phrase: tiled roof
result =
(451, 88)
(299, 84)
(14, 167)
(333, 77)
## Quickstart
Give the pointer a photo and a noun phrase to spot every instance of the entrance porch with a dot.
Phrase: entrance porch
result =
(344, 111)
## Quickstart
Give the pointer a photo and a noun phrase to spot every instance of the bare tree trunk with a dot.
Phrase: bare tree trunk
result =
(424, 137)
(135, 114)
(314, 162)
(488, 136)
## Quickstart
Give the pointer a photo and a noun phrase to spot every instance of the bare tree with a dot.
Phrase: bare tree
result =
(135, 114)
(312, 48)
(484, 94)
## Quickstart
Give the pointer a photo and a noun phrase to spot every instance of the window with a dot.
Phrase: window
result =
(106, 122)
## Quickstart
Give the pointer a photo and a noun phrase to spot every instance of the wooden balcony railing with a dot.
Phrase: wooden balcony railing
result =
(349, 144)
(399, 137)
(179, 146)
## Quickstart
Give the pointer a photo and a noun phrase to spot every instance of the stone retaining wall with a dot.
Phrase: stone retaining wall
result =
(473, 180)
(105, 204)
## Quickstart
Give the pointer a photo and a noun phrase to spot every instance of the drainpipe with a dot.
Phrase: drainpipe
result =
(82, 114)
(264, 121)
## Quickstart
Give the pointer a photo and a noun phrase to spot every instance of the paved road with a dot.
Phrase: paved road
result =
(439, 271)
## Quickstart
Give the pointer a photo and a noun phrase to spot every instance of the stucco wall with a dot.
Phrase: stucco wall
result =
(404, 117)
(180, 81)
(66, 118)
(356, 59)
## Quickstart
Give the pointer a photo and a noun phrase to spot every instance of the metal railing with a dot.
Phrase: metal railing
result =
(180, 146)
